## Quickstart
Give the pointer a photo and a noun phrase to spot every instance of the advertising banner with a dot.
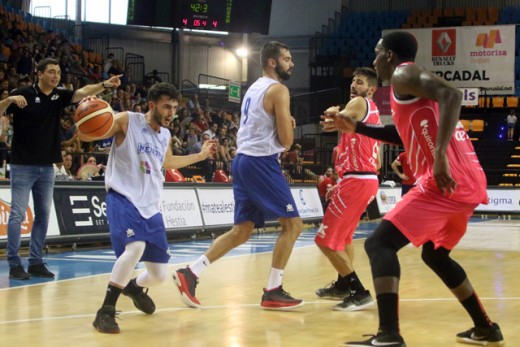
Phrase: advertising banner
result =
(387, 197)
(308, 202)
(180, 208)
(469, 56)
(501, 200)
(217, 205)
(27, 223)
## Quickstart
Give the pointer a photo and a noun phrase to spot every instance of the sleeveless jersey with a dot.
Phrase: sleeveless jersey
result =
(358, 153)
(417, 122)
(258, 135)
(134, 168)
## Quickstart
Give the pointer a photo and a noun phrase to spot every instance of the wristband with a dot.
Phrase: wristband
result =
(103, 85)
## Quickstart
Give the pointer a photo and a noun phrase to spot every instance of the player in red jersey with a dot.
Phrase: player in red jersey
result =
(407, 177)
(450, 184)
(356, 162)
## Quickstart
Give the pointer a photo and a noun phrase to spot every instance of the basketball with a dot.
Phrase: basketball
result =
(94, 118)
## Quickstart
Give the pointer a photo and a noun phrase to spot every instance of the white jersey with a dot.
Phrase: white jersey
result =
(258, 135)
(134, 168)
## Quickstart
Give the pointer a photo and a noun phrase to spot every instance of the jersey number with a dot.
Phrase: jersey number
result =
(246, 109)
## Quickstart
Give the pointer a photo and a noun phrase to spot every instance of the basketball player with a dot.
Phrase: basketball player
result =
(433, 214)
(408, 180)
(259, 187)
(356, 162)
(134, 182)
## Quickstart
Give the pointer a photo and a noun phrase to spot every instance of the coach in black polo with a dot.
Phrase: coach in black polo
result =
(35, 147)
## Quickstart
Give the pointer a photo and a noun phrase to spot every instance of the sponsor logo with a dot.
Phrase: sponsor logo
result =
(83, 210)
(427, 137)
(290, 208)
(444, 43)
(130, 233)
(5, 211)
(488, 42)
(145, 167)
(37, 100)
(148, 148)
(301, 198)
(460, 135)
(55, 97)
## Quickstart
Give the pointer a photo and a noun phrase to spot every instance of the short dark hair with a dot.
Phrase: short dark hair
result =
(271, 50)
(42, 65)
(159, 89)
(403, 44)
(369, 73)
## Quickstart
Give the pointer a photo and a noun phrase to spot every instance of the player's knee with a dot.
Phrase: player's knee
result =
(371, 246)
(240, 234)
(435, 259)
(158, 278)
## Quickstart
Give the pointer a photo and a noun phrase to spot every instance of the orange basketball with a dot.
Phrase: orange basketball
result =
(94, 118)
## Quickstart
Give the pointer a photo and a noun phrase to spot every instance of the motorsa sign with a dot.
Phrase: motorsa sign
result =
(81, 210)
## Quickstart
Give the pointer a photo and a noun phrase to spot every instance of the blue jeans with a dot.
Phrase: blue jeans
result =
(24, 178)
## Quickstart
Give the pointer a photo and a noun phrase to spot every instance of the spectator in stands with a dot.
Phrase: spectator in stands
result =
(116, 68)
(67, 164)
(222, 133)
(199, 122)
(37, 53)
(67, 83)
(108, 62)
(65, 65)
(15, 30)
(95, 75)
(137, 108)
(190, 139)
(406, 176)
(212, 131)
(235, 121)
(4, 84)
(155, 76)
(511, 124)
(126, 75)
(115, 103)
(232, 152)
(67, 131)
(206, 106)
(197, 147)
(327, 186)
(12, 77)
(25, 64)
(3, 56)
(36, 146)
(223, 152)
(60, 172)
(193, 103)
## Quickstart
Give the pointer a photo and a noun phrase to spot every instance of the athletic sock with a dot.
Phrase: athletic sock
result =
(354, 283)
(342, 283)
(476, 311)
(388, 307)
(199, 265)
(275, 278)
(112, 295)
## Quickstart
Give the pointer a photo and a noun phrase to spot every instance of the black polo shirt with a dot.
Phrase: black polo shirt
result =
(36, 127)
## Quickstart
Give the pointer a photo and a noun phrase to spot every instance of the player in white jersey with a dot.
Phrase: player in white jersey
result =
(357, 164)
(134, 183)
(260, 190)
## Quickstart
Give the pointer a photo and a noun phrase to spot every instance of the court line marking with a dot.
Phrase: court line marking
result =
(328, 302)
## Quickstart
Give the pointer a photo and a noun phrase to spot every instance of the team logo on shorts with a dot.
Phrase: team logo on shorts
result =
(290, 208)
(130, 233)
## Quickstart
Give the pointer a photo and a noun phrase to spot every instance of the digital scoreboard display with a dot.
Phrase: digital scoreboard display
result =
(243, 16)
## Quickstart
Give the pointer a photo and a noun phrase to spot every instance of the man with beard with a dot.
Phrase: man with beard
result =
(357, 164)
(134, 183)
(260, 190)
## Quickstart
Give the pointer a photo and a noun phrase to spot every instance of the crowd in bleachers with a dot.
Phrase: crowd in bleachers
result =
(23, 44)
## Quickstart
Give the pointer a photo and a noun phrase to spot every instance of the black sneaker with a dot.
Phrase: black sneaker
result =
(186, 283)
(18, 273)
(331, 291)
(140, 298)
(381, 339)
(355, 301)
(105, 321)
(39, 270)
(489, 336)
(279, 299)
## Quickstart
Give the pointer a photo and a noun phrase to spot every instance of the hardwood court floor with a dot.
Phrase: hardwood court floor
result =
(60, 313)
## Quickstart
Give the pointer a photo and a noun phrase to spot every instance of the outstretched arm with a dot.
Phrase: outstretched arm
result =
(177, 161)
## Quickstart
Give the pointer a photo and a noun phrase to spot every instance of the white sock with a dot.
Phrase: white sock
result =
(199, 265)
(275, 279)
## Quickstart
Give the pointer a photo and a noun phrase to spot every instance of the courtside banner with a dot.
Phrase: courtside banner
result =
(217, 205)
(180, 208)
(307, 201)
(387, 197)
(469, 56)
(81, 209)
(501, 200)
(27, 223)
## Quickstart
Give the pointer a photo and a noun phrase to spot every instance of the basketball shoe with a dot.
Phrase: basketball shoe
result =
(489, 336)
(331, 291)
(105, 321)
(381, 339)
(279, 299)
(186, 283)
(140, 298)
(355, 301)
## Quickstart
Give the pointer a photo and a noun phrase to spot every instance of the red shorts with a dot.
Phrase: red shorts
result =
(424, 216)
(349, 201)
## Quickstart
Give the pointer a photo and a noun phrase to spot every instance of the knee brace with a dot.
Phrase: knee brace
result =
(439, 260)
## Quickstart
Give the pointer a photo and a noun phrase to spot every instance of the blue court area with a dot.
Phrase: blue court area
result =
(83, 263)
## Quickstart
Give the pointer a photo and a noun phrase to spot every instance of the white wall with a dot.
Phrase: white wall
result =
(158, 55)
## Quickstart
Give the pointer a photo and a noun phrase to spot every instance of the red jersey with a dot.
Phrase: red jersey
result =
(417, 122)
(325, 185)
(358, 153)
(402, 159)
